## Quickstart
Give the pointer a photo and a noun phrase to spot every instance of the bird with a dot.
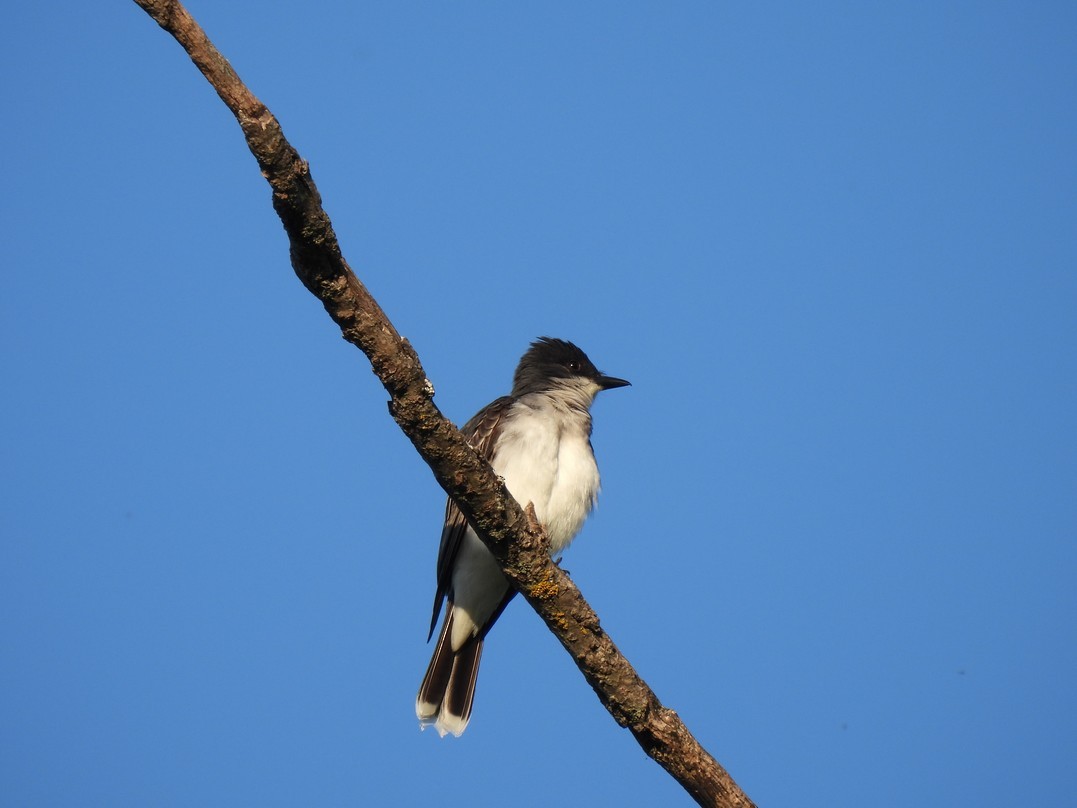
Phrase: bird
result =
(538, 440)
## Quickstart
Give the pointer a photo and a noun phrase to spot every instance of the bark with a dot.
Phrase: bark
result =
(513, 536)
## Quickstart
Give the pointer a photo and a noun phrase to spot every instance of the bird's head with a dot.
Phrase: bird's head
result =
(553, 364)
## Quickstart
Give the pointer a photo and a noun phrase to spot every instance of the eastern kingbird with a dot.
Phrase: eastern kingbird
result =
(538, 439)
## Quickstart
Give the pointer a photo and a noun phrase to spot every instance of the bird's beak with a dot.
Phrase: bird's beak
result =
(609, 382)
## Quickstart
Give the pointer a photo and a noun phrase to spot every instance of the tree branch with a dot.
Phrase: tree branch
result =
(517, 543)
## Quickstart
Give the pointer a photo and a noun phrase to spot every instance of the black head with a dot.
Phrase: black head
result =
(550, 363)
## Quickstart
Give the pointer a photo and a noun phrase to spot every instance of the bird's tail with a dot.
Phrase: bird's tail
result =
(448, 689)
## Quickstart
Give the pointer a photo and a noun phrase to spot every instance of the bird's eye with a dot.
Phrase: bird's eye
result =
(574, 366)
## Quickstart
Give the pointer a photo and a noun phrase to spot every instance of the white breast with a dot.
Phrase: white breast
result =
(546, 459)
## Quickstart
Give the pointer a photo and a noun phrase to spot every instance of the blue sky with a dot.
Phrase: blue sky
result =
(833, 247)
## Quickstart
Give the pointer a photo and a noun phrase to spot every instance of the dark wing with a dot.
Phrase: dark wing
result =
(481, 432)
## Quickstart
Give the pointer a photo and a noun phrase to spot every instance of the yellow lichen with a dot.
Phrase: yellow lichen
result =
(545, 589)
